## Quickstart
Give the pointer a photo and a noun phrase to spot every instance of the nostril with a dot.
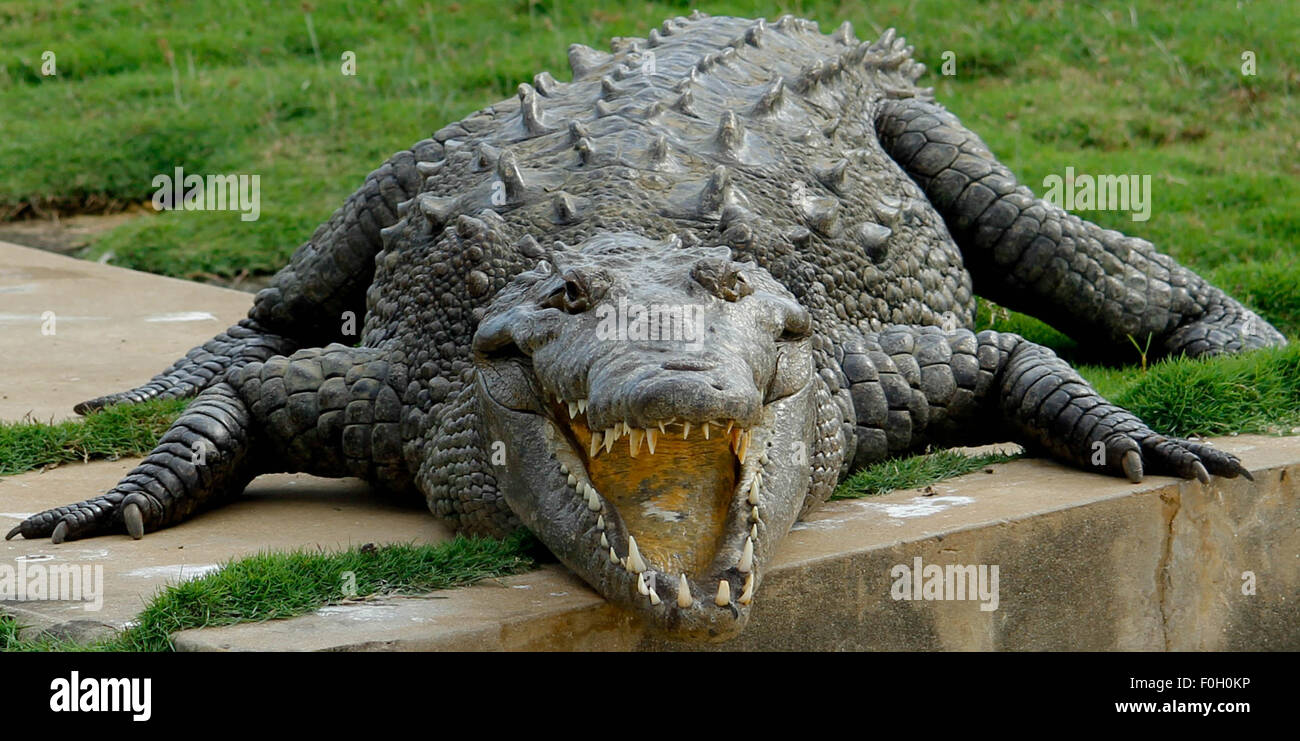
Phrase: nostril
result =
(688, 365)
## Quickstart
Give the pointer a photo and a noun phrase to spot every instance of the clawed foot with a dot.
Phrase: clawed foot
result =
(1186, 459)
(99, 516)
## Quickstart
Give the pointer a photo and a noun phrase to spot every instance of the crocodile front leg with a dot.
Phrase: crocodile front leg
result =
(333, 411)
(1095, 284)
(205, 458)
(916, 386)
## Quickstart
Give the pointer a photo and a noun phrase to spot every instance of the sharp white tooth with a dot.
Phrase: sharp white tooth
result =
(613, 557)
(686, 430)
(582, 406)
(743, 447)
(661, 427)
(593, 500)
(747, 595)
(634, 562)
(746, 557)
(563, 468)
(604, 542)
(641, 585)
(753, 531)
(573, 409)
(654, 597)
(753, 491)
(634, 442)
(684, 593)
(650, 437)
(706, 430)
(573, 480)
(611, 437)
(594, 448)
(730, 423)
(600, 524)
(753, 515)
(724, 594)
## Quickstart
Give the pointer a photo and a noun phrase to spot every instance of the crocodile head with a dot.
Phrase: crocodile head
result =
(650, 406)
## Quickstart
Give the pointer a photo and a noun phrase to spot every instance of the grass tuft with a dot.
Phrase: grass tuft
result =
(270, 586)
(1255, 392)
(914, 472)
(123, 430)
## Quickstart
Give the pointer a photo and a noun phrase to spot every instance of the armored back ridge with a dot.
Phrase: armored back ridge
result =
(656, 313)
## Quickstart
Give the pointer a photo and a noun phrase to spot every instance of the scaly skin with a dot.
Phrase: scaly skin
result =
(824, 220)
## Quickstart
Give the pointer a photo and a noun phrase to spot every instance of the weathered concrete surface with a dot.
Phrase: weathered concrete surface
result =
(113, 328)
(278, 512)
(1085, 562)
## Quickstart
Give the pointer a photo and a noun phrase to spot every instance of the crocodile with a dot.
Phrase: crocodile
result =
(655, 314)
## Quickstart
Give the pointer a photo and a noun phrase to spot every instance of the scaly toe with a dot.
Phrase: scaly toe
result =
(1132, 464)
(134, 521)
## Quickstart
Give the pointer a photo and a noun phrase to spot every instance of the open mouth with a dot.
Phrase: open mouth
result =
(674, 503)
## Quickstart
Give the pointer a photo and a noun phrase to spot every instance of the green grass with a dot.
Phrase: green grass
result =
(125, 430)
(244, 87)
(914, 472)
(1257, 392)
(270, 586)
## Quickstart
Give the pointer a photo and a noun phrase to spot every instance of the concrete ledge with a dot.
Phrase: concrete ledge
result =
(1085, 563)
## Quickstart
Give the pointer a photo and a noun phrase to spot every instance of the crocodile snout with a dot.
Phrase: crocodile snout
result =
(695, 396)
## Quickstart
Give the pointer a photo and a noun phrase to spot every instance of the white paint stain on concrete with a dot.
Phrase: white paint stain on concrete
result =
(179, 572)
(181, 316)
(918, 506)
(914, 507)
(362, 613)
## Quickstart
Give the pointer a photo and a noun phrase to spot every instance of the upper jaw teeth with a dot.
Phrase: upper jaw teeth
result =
(648, 437)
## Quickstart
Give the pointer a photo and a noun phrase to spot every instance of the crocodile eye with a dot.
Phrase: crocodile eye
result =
(723, 279)
(577, 296)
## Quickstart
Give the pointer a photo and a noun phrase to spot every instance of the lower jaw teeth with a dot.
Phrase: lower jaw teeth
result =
(723, 597)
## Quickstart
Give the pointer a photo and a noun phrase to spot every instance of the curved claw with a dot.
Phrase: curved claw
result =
(1132, 464)
(60, 533)
(12, 533)
(1202, 475)
(1242, 470)
(134, 521)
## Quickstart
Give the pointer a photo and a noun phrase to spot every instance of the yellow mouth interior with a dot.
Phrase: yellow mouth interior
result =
(673, 501)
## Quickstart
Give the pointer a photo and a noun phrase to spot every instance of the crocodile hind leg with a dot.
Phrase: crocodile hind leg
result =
(331, 412)
(306, 302)
(918, 386)
(1096, 285)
